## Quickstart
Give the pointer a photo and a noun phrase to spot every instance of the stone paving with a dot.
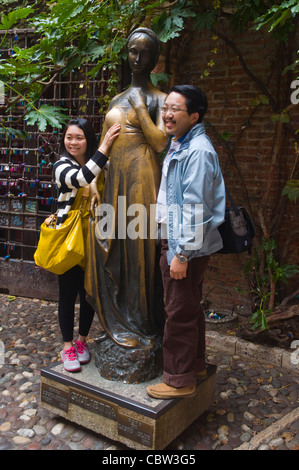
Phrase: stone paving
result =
(256, 404)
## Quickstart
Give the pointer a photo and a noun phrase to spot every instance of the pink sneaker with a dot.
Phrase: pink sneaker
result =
(70, 360)
(82, 352)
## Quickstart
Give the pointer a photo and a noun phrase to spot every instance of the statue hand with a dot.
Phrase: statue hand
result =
(137, 99)
(94, 198)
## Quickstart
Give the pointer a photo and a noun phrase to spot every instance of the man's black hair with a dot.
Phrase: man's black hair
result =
(196, 100)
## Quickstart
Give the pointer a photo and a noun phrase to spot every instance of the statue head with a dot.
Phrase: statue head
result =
(145, 41)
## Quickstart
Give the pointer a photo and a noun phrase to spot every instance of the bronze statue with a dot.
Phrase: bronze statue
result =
(121, 271)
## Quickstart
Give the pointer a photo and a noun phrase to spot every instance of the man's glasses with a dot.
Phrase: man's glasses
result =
(172, 109)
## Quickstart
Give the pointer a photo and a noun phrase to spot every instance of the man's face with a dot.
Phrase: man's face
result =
(175, 116)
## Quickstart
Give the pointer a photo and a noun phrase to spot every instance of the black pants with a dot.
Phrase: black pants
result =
(71, 284)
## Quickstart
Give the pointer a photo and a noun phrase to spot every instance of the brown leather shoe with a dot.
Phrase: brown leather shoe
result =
(166, 392)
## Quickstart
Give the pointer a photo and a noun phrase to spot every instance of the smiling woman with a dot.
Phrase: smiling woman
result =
(75, 143)
(79, 164)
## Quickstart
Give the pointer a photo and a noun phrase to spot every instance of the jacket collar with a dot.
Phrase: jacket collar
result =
(196, 130)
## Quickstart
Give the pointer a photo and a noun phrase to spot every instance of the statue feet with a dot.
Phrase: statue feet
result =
(131, 340)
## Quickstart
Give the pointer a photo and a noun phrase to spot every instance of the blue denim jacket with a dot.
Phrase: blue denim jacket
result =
(194, 178)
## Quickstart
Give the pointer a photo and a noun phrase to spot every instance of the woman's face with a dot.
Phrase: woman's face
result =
(140, 54)
(75, 143)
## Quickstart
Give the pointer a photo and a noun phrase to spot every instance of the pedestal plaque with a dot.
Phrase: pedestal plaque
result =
(119, 411)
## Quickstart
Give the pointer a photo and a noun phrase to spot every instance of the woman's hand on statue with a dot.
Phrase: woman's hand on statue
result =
(109, 138)
(137, 99)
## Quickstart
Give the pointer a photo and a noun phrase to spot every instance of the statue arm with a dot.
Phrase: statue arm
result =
(155, 134)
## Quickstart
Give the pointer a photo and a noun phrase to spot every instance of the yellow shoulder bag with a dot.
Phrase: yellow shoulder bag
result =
(60, 249)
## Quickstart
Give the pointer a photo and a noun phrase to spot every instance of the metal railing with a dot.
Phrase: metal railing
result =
(27, 190)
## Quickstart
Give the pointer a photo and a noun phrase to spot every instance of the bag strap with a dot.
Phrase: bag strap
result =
(84, 198)
(85, 192)
(234, 206)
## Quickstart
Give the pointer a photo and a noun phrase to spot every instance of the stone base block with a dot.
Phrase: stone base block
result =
(122, 412)
(128, 365)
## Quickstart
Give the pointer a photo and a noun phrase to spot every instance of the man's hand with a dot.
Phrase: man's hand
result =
(178, 270)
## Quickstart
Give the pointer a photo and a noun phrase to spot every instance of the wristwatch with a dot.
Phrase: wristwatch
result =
(182, 258)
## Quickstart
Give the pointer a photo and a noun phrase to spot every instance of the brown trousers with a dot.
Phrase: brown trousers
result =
(184, 332)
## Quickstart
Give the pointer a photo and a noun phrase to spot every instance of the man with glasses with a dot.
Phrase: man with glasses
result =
(190, 207)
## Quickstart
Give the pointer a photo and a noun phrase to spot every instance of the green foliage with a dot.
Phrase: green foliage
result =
(71, 33)
(293, 67)
(291, 190)
(279, 18)
(157, 78)
(267, 280)
(46, 115)
(170, 24)
(8, 131)
(9, 20)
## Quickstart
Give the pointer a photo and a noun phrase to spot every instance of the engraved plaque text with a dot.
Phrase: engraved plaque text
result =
(55, 397)
(93, 404)
(135, 430)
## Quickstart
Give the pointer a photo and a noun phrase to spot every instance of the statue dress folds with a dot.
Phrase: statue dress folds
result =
(122, 273)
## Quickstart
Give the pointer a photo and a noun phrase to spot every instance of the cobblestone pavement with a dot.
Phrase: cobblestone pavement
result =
(256, 405)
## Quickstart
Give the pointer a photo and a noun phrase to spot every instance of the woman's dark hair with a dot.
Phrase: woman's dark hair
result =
(154, 39)
(196, 100)
(90, 137)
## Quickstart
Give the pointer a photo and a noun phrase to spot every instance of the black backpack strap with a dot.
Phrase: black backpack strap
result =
(234, 206)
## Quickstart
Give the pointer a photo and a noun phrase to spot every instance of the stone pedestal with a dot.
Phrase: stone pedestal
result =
(128, 365)
(119, 411)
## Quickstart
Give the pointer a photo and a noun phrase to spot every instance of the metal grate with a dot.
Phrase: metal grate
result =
(27, 191)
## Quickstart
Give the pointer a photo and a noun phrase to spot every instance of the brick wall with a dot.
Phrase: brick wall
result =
(245, 157)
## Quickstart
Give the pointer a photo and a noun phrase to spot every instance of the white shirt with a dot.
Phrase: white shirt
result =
(161, 210)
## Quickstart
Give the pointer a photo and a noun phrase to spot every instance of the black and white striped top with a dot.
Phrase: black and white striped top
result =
(70, 176)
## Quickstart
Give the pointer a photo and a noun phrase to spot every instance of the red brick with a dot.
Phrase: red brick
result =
(230, 92)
